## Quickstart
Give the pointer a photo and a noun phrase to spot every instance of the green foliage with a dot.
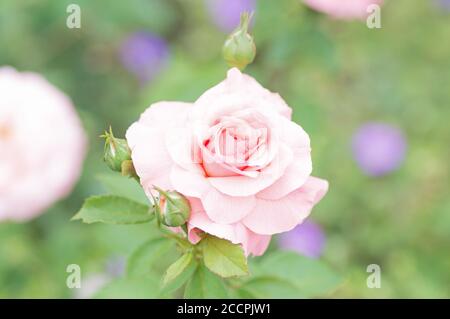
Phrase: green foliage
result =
(148, 260)
(123, 186)
(334, 74)
(144, 258)
(111, 209)
(130, 288)
(269, 287)
(223, 257)
(180, 279)
(290, 275)
(177, 268)
(204, 284)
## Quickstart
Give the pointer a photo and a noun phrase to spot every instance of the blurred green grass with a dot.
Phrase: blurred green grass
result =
(335, 75)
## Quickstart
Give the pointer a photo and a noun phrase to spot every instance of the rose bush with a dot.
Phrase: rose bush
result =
(238, 157)
(42, 144)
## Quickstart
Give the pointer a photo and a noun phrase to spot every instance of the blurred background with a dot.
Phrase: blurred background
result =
(376, 103)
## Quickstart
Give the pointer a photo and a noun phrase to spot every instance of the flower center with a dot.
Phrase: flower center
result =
(236, 145)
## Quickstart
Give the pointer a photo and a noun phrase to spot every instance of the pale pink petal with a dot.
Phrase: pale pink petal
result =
(182, 147)
(247, 186)
(188, 183)
(200, 220)
(225, 209)
(294, 177)
(294, 136)
(215, 167)
(236, 233)
(237, 81)
(149, 155)
(257, 244)
(171, 120)
(164, 114)
(343, 9)
(271, 217)
(146, 139)
(315, 189)
(300, 168)
(238, 91)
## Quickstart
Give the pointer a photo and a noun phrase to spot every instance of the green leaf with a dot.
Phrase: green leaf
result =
(147, 255)
(269, 288)
(111, 209)
(130, 288)
(119, 185)
(290, 275)
(223, 257)
(180, 280)
(177, 268)
(204, 284)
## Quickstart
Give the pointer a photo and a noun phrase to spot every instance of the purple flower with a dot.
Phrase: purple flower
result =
(115, 266)
(378, 148)
(90, 285)
(226, 13)
(144, 54)
(307, 238)
(444, 4)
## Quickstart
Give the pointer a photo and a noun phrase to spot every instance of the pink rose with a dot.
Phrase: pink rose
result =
(244, 165)
(343, 9)
(42, 145)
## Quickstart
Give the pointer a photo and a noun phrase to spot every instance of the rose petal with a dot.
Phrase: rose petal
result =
(149, 155)
(270, 217)
(224, 209)
(294, 177)
(257, 244)
(347, 10)
(146, 141)
(236, 233)
(188, 183)
(247, 186)
(300, 168)
(164, 114)
(245, 86)
(181, 146)
(294, 136)
(200, 220)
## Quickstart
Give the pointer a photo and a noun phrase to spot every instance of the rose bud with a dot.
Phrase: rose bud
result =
(239, 49)
(174, 208)
(117, 154)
